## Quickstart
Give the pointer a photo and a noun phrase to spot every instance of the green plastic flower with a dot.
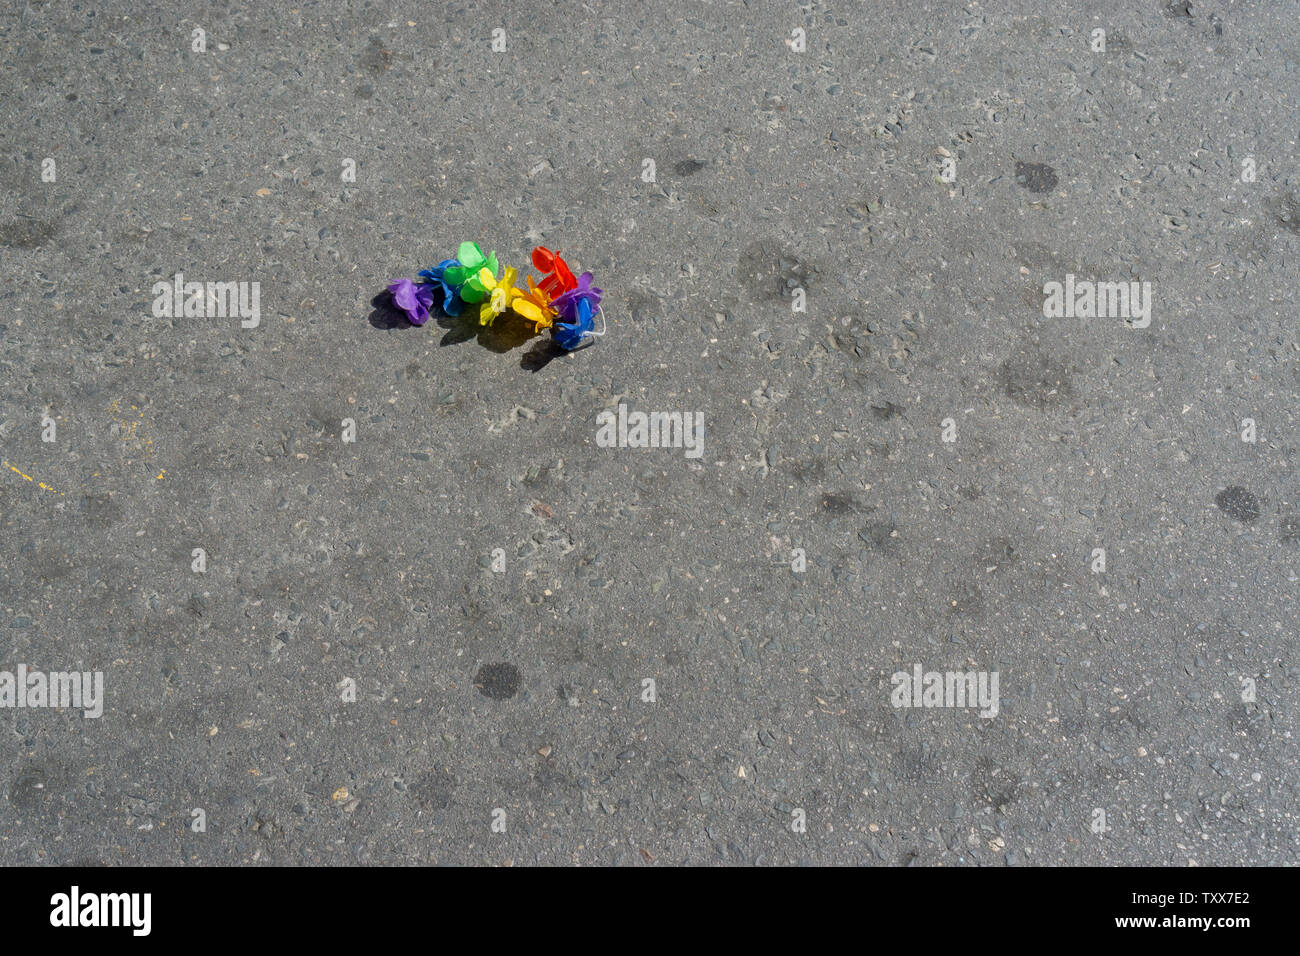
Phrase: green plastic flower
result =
(466, 275)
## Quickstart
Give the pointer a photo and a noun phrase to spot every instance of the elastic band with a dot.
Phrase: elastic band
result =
(600, 312)
(587, 337)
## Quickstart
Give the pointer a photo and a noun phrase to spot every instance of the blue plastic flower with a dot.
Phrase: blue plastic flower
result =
(451, 302)
(570, 335)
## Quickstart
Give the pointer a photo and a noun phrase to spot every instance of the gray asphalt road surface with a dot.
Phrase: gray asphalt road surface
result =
(987, 312)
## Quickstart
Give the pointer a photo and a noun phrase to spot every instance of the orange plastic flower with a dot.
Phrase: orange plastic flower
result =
(535, 306)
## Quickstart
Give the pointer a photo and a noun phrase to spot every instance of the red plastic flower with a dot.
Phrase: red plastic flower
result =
(557, 277)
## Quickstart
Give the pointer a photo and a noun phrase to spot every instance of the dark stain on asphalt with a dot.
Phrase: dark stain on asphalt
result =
(101, 511)
(915, 764)
(770, 271)
(996, 553)
(966, 601)
(27, 233)
(376, 58)
(805, 469)
(838, 503)
(498, 681)
(1036, 177)
(1288, 213)
(882, 536)
(1036, 380)
(689, 167)
(1117, 42)
(1237, 503)
(433, 791)
(994, 785)
(850, 337)
(28, 789)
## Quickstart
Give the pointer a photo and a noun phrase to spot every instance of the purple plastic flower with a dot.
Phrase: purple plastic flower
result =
(413, 299)
(584, 291)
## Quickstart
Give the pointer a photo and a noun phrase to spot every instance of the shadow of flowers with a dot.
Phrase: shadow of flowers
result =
(506, 334)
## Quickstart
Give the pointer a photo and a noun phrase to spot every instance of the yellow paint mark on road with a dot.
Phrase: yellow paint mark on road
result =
(42, 485)
(133, 432)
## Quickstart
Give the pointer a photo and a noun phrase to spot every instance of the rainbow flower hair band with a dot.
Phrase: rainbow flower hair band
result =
(562, 302)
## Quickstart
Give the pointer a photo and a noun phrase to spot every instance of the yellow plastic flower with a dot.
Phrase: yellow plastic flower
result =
(499, 293)
(535, 306)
